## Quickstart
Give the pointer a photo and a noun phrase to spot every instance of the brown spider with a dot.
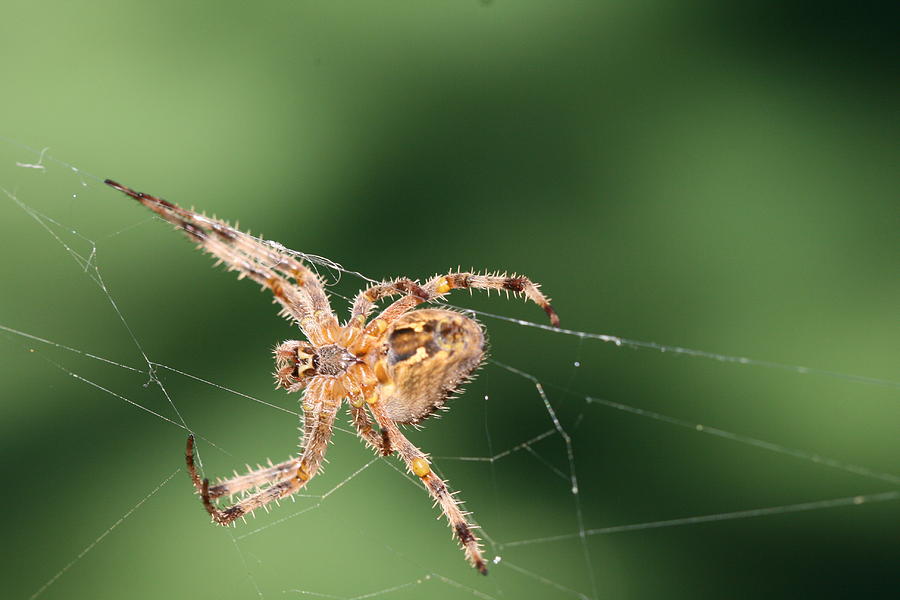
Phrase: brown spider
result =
(400, 366)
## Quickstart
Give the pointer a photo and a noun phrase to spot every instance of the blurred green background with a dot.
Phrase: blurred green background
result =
(713, 175)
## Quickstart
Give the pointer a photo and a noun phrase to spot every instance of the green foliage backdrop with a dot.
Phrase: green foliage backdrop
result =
(712, 175)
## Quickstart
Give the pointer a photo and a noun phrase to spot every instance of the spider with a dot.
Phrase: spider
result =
(400, 367)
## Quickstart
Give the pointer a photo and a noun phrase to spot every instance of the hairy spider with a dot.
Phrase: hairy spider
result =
(400, 366)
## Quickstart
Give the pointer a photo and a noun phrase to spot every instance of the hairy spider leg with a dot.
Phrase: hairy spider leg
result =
(377, 441)
(255, 478)
(366, 299)
(417, 463)
(305, 302)
(318, 425)
(360, 385)
(414, 294)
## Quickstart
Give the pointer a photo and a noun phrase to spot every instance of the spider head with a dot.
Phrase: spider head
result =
(295, 363)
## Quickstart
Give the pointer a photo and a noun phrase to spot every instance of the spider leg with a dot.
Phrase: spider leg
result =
(281, 485)
(319, 427)
(366, 299)
(438, 286)
(417, 463)
(304, 301)
(255, 478)
(378, 442)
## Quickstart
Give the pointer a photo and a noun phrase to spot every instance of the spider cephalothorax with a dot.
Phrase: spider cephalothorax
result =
(397, 368)
(297, 362)
(419, 349)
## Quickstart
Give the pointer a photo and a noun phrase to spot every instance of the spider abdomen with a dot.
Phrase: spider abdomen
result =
(430, 354)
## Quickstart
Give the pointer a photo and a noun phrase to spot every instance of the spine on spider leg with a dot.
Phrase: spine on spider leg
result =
(214, 236)
(417, 463)
(303, 301)
(317, 436)
(470, 543)
(285, 482)
(517, 284)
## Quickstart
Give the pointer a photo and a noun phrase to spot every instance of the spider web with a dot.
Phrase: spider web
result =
(551, 461)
